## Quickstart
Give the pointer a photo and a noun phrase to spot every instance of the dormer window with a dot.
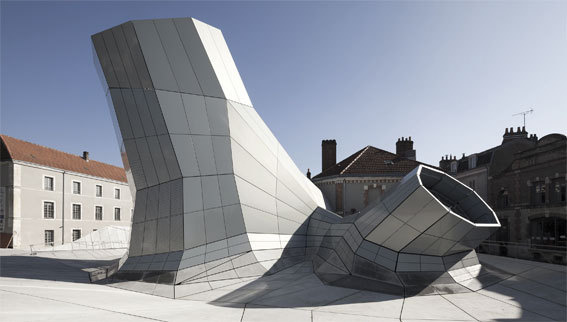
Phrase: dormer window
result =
(472, 161)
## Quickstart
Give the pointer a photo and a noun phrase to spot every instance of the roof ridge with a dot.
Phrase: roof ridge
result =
(29, 152)
(353, 161)
(53, 149)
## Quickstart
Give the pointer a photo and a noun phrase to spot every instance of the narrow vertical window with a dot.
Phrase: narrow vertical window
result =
(76, 234)
(117, 214)
(98, 190)
(48, 210)
(76, 211)
(98, 212)
(48, 237)
(116, 193)
(76, 187)
(48, 183)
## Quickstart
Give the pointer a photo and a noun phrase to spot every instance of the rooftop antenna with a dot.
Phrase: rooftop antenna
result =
(531, 110)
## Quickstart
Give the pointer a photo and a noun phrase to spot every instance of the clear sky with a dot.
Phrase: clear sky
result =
(450, 75)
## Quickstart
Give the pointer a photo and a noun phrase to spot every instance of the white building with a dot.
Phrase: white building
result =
(49, 197)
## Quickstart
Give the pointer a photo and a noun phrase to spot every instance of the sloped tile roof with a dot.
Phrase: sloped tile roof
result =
(15, 149)
(371, 161)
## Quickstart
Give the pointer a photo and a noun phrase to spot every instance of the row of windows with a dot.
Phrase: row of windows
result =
(49, 211)
(48, 185)
(49, 236)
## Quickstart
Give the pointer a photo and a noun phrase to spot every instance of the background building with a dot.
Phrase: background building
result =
(351, 184)
(48, 197)
(524, 180)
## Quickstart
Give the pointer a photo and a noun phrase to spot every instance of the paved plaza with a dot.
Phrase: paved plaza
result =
(55, 286)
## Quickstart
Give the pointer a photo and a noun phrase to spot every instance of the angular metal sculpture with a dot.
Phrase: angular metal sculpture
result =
(217, 196)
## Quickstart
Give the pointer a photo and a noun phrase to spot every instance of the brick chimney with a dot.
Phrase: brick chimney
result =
(510, 135)
(85, 155)
(404, 148)
(445, 163)
(328, 154)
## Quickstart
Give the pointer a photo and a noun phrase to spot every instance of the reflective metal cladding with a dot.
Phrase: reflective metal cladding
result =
(217, 196)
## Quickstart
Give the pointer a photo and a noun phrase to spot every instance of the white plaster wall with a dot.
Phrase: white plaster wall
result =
(29, 195)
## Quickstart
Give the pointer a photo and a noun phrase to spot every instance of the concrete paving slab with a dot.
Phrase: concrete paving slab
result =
(433, 307)
(526, 301)
(319, 316)
(31, 281)
(484, 308)
(367, 303)
(255, 313)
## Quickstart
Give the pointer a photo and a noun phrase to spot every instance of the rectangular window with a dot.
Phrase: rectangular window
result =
(116, 193)
(98, 212)
(76, 234)
(117, 214)
(76, 187)
(76, 211)
(98, 189)
(48, 236)
(48, 183)
(48, 210)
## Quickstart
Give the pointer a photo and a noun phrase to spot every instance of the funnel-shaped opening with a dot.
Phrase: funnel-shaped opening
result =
(460, 199)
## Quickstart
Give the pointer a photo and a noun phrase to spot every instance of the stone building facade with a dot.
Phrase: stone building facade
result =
(351, 184)
(524, 180)
(49, 197)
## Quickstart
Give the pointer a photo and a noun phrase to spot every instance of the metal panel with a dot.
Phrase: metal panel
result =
(155, 112)
(149, 243)
(204, 152)
(173, 112)
(137, 57)
(183, 146)
(156, 60)
(211, 192)
(104, 59)
(198, 57)
(176, 233)
(126, 57)
(192, 194)
(214, 225)
(177, 57)
(194, 229)
(164, 200)
(112, 50)
(121, 114)
(228, 192)
(234, 221)
(147, 162)
(157, 158)
(223, 154)
(169, 156)
(196, 112)
(163, 235)
(144, 112)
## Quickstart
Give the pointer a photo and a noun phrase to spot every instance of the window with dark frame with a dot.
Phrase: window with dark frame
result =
(76, 234)
(48, 210)
(117, 214)
(48, 236)
(76, 187)
(98, 212)
(77, 211)
(48, 183)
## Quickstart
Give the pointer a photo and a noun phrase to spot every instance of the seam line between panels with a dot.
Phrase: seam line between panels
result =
(222, 61)
(188, 57)
(236, 175)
